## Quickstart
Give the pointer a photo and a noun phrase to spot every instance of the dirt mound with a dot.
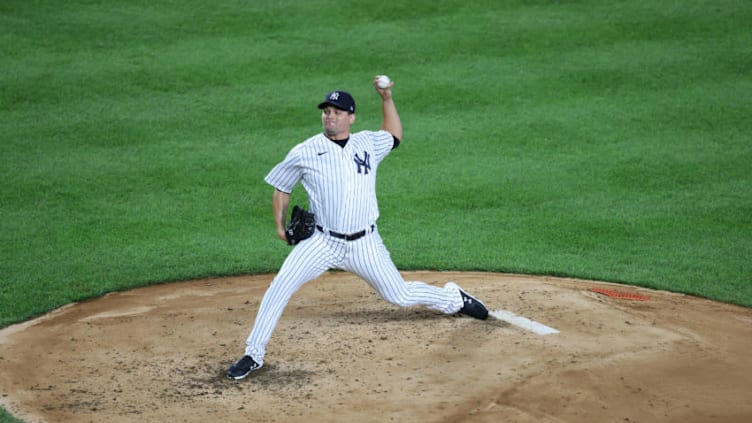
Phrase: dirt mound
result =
(341, 354)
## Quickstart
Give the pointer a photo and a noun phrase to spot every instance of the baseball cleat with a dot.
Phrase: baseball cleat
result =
(471, 306)
(242, 367)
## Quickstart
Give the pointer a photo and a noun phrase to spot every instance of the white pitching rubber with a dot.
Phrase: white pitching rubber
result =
(523, 322)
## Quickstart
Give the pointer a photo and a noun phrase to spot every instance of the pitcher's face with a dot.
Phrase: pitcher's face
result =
(336, 122)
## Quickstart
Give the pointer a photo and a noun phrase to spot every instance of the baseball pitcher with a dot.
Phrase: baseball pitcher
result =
(338, 170)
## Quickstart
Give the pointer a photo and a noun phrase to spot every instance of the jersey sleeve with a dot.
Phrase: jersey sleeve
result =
(286, 174)
(383, 143)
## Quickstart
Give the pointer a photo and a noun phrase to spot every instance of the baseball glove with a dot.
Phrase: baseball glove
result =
(302, 224)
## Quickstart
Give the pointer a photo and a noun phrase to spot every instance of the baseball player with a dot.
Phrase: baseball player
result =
(338, 170)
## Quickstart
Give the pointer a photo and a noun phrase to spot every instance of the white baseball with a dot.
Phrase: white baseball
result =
(383, 81)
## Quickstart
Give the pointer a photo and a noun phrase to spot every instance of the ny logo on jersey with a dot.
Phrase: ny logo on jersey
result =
(364, 165)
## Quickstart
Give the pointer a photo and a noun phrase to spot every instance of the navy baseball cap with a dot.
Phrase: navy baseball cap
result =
(341, 100)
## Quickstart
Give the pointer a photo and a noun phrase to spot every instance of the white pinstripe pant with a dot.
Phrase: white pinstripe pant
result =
(366, 257)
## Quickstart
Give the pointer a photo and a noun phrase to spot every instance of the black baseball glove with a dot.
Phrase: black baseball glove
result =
(302, 224)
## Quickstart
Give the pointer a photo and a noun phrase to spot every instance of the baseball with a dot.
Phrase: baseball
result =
(383, 81)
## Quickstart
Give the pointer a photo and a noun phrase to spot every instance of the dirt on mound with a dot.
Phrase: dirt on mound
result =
(341, 354)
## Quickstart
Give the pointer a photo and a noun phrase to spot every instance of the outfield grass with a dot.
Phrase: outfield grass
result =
(603, 140)
(589, 139)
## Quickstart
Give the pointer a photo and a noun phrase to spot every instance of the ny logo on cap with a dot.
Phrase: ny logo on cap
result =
(334, 96)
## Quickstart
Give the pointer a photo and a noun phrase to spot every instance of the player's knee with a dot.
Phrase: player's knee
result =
(399, 298)
(401, 302)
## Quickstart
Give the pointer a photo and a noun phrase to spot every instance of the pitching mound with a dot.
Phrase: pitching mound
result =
(341, 354)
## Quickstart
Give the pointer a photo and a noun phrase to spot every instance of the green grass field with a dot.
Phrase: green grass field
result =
(601, 140)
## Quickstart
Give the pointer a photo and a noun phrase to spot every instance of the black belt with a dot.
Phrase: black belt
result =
(347, 237)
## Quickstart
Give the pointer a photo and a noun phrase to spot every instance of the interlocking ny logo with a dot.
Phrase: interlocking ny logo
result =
(364, 165)
(334, 96)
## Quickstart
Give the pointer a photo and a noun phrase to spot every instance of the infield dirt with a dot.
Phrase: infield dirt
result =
(341, 354)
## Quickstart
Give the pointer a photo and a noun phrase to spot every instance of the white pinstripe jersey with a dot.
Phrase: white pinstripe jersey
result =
(340, 182)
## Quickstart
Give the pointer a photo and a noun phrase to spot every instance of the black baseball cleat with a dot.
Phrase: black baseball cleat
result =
(471, 306)
(242, 367)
